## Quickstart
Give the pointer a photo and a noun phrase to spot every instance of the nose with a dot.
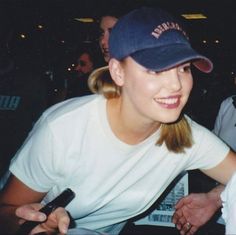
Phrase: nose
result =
(172, 79)
(104, 39)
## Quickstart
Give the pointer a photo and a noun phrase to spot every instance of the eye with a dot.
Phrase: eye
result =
(149, 71)
(185, 68)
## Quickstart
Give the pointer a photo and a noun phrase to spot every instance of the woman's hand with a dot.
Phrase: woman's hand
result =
(57, 221)
(194, 210)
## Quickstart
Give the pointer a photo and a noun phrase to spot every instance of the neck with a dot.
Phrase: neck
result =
(126, 126)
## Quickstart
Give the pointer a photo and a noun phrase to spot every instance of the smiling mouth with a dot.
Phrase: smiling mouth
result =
(171, 102)
(167, 100)
(105, 51)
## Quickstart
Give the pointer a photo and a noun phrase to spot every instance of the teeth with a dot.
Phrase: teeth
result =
(167, 101)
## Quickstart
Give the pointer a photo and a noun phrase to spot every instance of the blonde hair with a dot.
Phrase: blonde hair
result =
(177, 136)
(100, 82)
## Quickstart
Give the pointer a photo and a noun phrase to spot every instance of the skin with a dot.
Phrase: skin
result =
(197, 209)
(106, 25)
(87, 68)
(23, 205)
(148, 99)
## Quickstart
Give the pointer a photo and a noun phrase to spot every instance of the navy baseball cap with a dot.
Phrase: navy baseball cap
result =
(155, 40)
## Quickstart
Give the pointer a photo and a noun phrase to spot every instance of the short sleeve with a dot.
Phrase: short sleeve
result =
(36, 164)
(208, 150)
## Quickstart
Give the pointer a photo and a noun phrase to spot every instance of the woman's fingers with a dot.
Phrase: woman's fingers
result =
(58, 220)
(63, 220)
(30, 212)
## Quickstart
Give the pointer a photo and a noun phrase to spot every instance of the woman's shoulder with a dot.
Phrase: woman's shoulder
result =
(71, 107)
(204, 138)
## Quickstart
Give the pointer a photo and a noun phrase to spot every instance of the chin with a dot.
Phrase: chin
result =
(169, 119)
(106, 57)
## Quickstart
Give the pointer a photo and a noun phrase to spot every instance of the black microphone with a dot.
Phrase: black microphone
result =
(61, 200)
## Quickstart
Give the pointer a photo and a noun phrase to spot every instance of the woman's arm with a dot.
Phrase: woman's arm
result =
(12, 196)
(224, 170)
(19, 203)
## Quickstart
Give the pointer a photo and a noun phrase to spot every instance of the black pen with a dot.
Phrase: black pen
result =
(60, 201)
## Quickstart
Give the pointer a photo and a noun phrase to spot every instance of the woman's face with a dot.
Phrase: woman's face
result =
(106, 25)
(156, 96)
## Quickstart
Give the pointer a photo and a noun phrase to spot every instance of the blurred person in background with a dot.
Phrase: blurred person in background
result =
(77, 83)
(107, 22)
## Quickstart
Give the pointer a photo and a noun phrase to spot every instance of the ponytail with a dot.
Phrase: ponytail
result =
(100, 82)
(177, 136)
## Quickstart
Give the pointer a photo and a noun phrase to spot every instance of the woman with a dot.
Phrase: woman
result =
(120, 148)
(107, 22)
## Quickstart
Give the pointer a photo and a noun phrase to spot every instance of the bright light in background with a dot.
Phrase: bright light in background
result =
(23, 36)
(195, 16)
(40, 26)
(217, 41)
(71, 67)
(85, 20)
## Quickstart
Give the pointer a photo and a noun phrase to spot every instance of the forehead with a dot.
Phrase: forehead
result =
(84, 56)
(108, 22)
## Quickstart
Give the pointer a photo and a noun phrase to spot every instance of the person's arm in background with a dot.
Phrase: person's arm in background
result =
(218, 121)
(197, 209)
(15, 208)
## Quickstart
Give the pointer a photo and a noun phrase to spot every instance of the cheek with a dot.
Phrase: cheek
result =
(188, 85)
(149, 88)
(144, 86)
(144, 91)
(90, 66)
(100, 43)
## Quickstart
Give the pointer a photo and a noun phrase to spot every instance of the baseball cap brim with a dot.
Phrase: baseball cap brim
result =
(166, 57)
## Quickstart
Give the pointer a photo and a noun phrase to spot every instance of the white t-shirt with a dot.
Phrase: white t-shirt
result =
(72, 145)
(229, 206)
(225, 127)
(225, 124)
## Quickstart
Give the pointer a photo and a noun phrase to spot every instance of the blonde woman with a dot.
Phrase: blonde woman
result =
(120, 148)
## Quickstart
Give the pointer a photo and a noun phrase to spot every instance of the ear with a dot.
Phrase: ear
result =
(116, 71)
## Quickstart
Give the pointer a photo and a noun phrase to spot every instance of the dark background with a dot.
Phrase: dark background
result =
(61, 32)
